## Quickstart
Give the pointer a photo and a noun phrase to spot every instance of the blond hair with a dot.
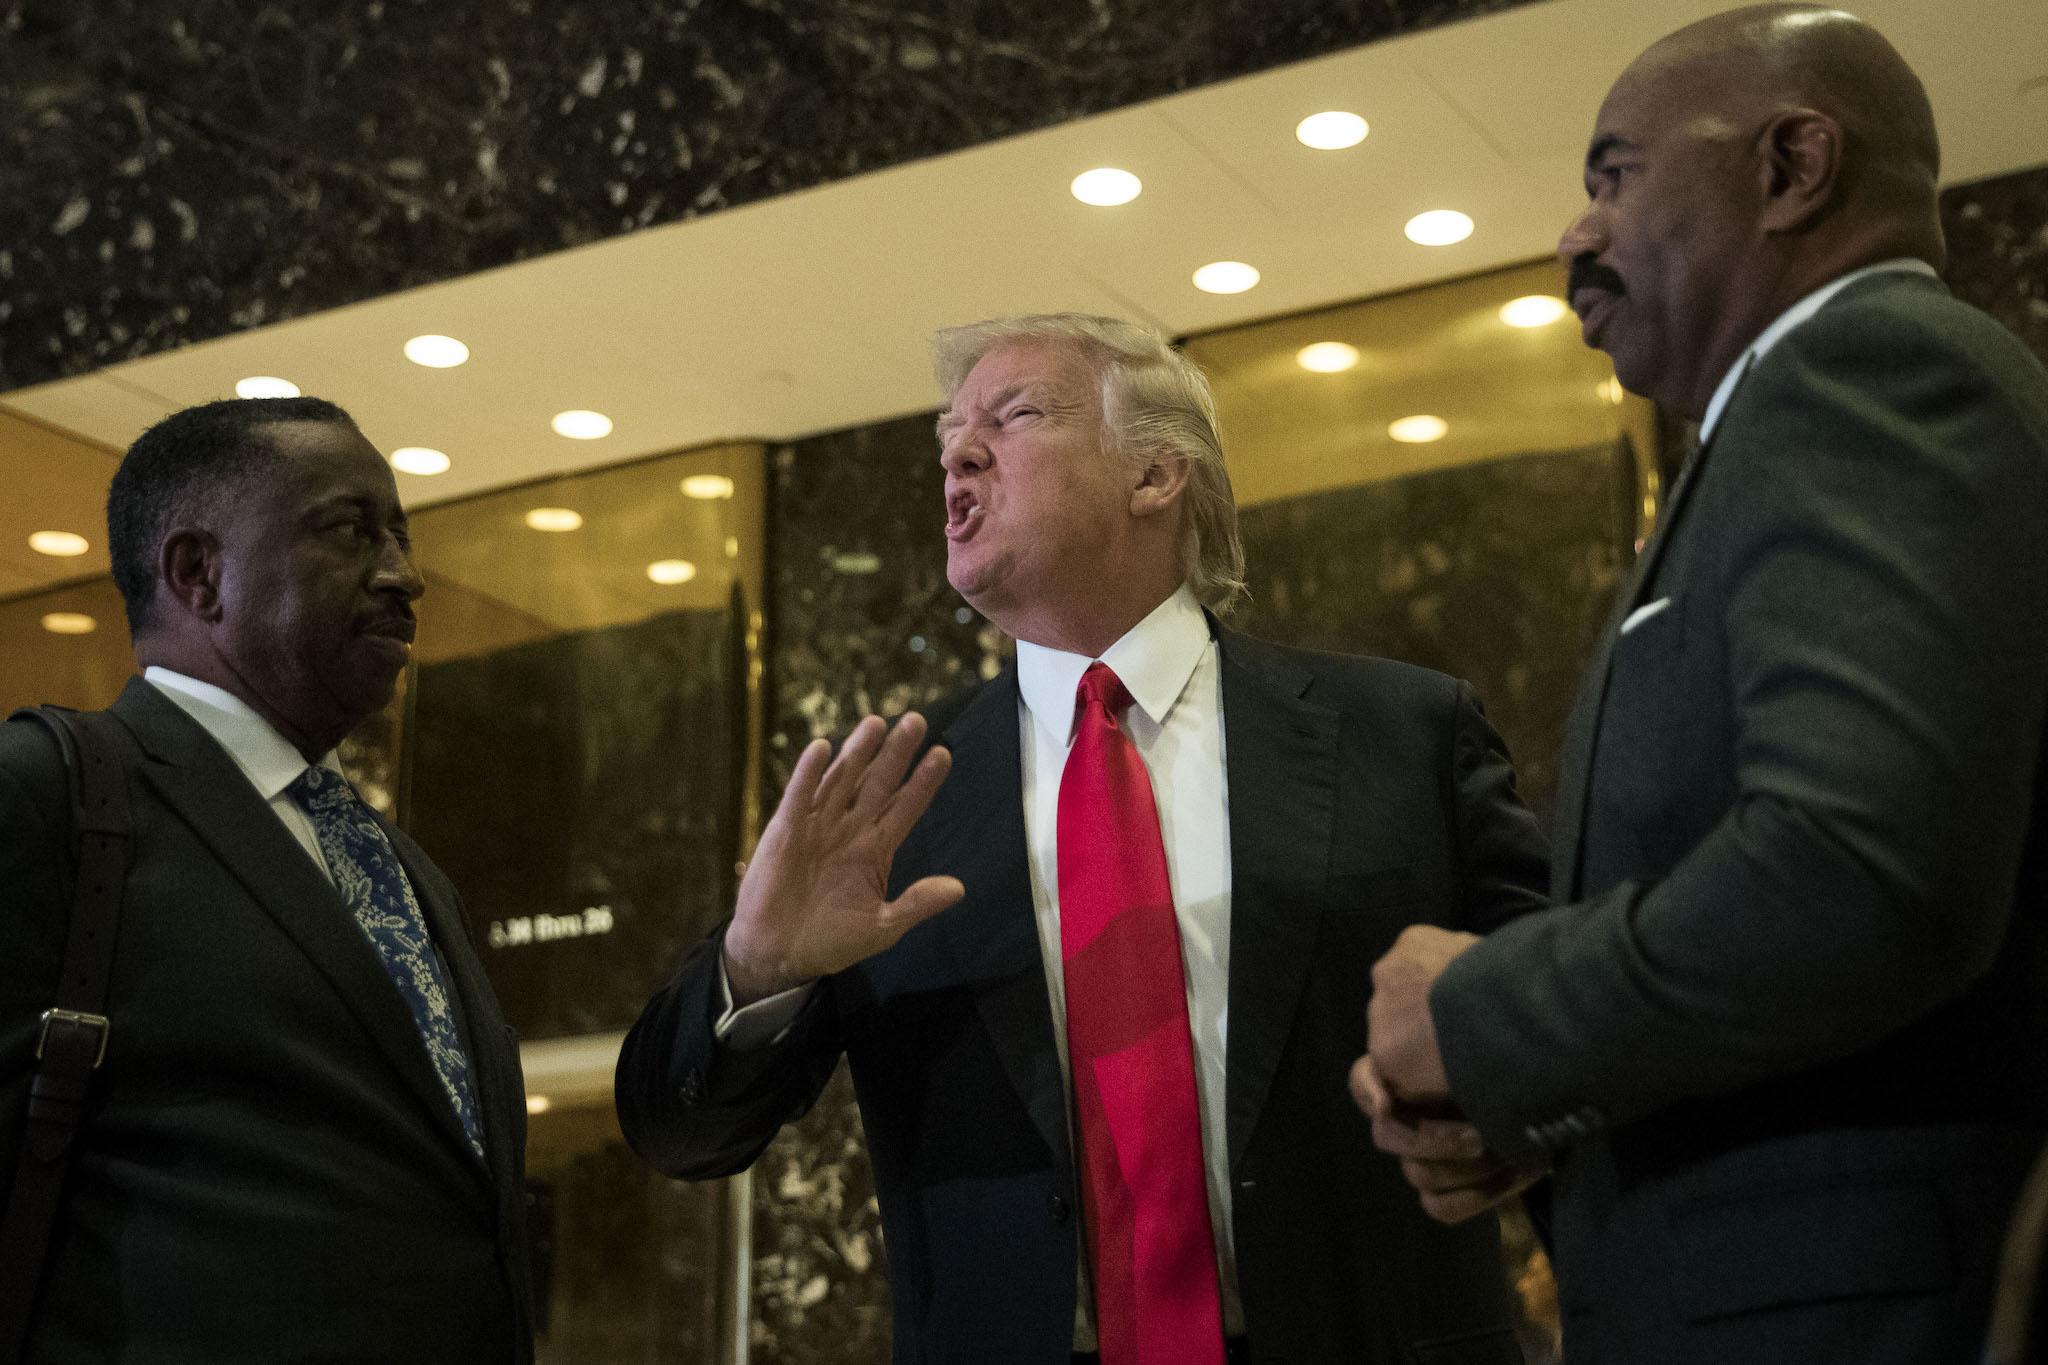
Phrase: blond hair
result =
(1155, 402)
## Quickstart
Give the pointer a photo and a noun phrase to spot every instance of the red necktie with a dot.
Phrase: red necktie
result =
(1144, 1194)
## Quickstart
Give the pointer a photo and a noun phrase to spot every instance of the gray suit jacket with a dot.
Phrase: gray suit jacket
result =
(269, 1170)
(1788, 1031)
(1364, 796)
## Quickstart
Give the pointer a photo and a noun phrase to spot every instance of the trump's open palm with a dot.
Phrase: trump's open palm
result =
(812, 901)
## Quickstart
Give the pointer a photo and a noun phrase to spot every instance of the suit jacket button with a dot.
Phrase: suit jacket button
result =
(1060, 1208)
(693, 1087)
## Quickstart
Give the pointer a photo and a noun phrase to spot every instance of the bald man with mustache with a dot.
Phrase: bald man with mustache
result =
(1785, 1038)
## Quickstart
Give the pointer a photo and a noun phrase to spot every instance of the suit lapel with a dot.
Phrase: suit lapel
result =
(1575, 762)
(204, 788)
(977, 833)
(1280, 760)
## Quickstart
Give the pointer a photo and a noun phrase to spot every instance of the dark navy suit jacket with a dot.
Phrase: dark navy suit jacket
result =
(1364, 796)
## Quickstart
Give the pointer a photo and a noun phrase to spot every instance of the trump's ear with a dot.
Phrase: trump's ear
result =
(1161, 482)
(1801, 167)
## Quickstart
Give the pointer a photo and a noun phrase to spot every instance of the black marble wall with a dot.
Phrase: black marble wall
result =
(1998, 250)
(633, 1268)
(174, 170)
(1499, 573)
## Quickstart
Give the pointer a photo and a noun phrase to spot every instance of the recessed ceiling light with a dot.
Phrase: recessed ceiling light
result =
(1533, 310)
(1327, 357)
(707, 486)
(1439, 227)
(732, 547)
(1419, 429)
(554, 519)
(69, 623)
(855, 562)
(1610, 389)
(436, 352)
(1226, 277)
(538, 1104)
(265, 386)
(580, 424)
(668, 572)
(62, 544)
(1105, 187)
(1331, 131)
(420, 460)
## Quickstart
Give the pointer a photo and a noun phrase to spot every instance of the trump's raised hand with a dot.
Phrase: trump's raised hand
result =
(812, 901)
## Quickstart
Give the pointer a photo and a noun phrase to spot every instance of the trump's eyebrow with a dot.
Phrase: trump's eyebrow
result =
(950, 419)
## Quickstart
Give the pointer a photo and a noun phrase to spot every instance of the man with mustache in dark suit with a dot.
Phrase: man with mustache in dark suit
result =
(1786, 1036)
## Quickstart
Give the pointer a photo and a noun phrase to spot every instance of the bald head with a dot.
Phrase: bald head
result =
(1749, 64)
(1737, 166)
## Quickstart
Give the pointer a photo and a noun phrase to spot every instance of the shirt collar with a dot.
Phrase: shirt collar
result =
(1792, 317)
(1155, 659)
(268, 759)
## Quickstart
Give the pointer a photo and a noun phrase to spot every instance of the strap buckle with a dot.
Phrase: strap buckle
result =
(98, 1024)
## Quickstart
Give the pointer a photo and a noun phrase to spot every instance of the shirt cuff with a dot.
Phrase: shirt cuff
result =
(761, 1024)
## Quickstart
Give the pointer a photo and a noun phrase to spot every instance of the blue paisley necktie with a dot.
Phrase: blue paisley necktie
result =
(367, 873)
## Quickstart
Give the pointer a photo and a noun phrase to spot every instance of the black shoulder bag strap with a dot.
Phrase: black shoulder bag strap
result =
(73, 1037)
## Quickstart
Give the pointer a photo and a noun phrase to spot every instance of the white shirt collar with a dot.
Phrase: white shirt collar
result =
(270, 760)
(1792, 317)
(1155, 659)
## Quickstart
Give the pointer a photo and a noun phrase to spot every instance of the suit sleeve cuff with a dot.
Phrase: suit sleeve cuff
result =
(759, 1025)
(1487, 1073)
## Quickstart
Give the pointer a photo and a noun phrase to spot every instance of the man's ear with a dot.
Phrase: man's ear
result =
(188, 568)
(1801, 167)
(1161, 482)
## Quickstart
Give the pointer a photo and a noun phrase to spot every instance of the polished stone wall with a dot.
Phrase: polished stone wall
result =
(175, 170)
(1499, 573)
(633, 1268)
(1998, 250)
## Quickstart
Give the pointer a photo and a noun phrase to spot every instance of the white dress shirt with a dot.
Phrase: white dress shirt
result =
(1791, 318)
(266, 758)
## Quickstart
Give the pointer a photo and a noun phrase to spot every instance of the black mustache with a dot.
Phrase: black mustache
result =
(1587, 273)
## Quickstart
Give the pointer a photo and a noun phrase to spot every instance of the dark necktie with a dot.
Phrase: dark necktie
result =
(367, 873)
(1144, 1192)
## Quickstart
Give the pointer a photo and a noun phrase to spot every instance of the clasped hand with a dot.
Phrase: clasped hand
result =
(812, 901)
(1402, 1086)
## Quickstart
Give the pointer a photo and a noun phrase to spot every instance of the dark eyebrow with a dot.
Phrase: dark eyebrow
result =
(356, 505)
(1603, 145)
